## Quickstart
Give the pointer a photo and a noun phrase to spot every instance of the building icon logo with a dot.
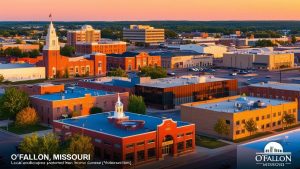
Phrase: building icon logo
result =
(273, 156)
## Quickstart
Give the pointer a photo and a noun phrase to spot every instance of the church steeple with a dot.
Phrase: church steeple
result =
(51, 39)
(119, 108)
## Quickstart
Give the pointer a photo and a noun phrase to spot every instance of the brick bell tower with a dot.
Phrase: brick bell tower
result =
(51, 52)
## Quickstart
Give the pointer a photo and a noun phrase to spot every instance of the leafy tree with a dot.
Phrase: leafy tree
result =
(136, 104)
(221, 127)
(119, 72)
(80, 144)
(294, 40)
(26, 117)
(1, 78)
(34, 53)
(67, 51)
(171, 34)
(95, 110)
(153, 71)
(48, 144)
(264, 43)
(13, 101)
(250, 126)
(288, 119)
(18, 41)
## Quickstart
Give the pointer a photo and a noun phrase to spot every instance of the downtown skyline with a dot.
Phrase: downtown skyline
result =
(135, 10)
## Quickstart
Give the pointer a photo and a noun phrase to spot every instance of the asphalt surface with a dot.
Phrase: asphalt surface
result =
(8, 143)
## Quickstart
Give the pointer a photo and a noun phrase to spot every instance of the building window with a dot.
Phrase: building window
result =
(262, 117)
(189, 143)
(227, 121)
(98, 140)
(180, 147)
(151, 152)
(180, 135)
(243, 121)
(262, 126)
(129, 146)
(140, 143)
(279, 122)
(237, 123)
(294, 110)
(117, 145)
(268, 125)
(243, 130)
(141, 155)
(189, 133)
(274, 124)
(117, 156)
(130, 157)
(268, 116)
(151, 141)
(237, 132)
(279, 113)
(274, 114)
(80, 106)
(257, 118)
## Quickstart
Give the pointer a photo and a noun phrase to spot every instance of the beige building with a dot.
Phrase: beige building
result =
(85, 34)
(21, 72)
(207, 48)
(184, 59)
(263, 60)
(144, 34)
(236, 111)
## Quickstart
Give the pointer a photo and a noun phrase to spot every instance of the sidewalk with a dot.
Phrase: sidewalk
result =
(5, 122)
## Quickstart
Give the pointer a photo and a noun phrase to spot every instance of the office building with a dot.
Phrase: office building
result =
(144, 34)
(106, 47)
(236, 111)
(85, 34)
(166, 93)
(208, 48)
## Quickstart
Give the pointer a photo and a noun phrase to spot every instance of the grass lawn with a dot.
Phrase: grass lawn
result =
(208, 142)
(290, 127)
(24, 130)
(252, 136)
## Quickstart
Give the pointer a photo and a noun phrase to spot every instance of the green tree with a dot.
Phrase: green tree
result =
(136, 104)
(288, 119)
(250, 126)
(153, 71)
(80, 144)
(34, 53)
(13, 101)
(67, 51)
(1, 78)
(119, 72)
(95, 110)
(294, 40)
(171, 34)
(48, 144)
(264, 43)
(221, 127)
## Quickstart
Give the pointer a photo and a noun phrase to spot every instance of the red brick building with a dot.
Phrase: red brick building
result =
(42, 88)
(130, 61)
(106, 47)
(124, 136)
(57, 65)
(57, 105)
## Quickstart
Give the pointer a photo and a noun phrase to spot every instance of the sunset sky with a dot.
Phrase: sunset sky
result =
(122, 10)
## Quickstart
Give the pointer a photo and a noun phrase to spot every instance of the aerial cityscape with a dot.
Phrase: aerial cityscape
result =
(149, 84)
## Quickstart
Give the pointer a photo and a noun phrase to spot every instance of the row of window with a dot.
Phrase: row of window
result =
(140, 143)
(270, 96)
(268, 125)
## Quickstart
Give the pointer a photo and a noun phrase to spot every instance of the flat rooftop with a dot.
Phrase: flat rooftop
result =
(277, 85)
(174, 53)
(71, 93)
(99, 123)
(181, 81)
(125, 54)
(239, 104)
(15, 65)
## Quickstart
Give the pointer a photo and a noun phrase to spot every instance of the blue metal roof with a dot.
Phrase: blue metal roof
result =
(99, 123)
(70, 93)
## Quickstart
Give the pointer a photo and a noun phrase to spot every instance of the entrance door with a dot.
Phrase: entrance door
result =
(166, 150)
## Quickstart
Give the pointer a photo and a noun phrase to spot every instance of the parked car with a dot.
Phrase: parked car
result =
(171, 73)
(233, 74)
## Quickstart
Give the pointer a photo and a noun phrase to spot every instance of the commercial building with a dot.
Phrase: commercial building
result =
(208, 48)
(57, 65)
(21, 72)
(85, 34)
(55, 106)
(274, 90)
(236, 111)
(144, 34)
(131, 61)
(106, 47)
(258, 59)
(41, 88)
(166, 93)
(114, 84)
(183, 59)
(125, 136)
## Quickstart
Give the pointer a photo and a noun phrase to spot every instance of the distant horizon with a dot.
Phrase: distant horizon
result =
(150, 10)
(151, 21)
